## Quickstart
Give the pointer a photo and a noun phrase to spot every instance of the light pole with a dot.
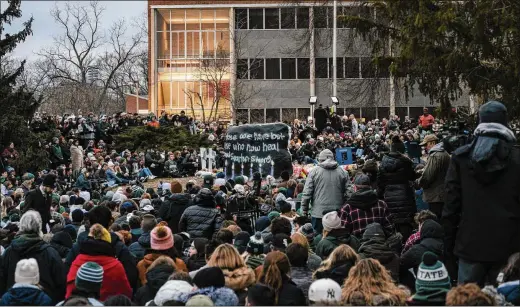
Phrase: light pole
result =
(335, 51)
(312, 101)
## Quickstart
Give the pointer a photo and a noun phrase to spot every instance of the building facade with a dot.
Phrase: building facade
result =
(261, 61)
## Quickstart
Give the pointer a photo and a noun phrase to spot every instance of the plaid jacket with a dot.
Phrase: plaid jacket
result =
(412, 240)
(357, 220)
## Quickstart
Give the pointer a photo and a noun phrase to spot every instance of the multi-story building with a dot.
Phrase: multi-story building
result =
(263, 60)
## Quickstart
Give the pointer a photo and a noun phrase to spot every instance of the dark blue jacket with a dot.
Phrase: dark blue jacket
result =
(511, 291)
(25, 295)
(138, 249)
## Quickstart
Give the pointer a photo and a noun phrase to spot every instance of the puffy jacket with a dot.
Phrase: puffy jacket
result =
(338, 272)
(172, 209)
(302, 278)
(394, 185)
(432, 179)
(147, 261)
(52, 271)
(432, 236)
(325, 187)
(334, 239)
(156, 277)
(201, 220)
(376, 247)
(122, 254)
(103, 253)
(25, 295)
(511, 291)
(138, 249)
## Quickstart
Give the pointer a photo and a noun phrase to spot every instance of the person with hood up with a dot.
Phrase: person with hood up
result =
(26, 290)
(97, 248)
(202, 219)
(325, 188)
(334, 235)
(478, 173)
(337, 266)
(156, 275)
(375, 245)
(28, 243)
(434, 173)
(174, 205)
(432, 283)
(395, 175)
(364, 208)
(62, 243)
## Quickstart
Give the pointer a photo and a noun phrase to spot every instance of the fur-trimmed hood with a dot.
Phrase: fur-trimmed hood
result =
(239, 279)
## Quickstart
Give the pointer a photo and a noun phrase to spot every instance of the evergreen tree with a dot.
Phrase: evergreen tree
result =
(17, 104)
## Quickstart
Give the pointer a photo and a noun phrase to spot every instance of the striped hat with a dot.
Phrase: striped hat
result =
(89, 277)
(433, 282)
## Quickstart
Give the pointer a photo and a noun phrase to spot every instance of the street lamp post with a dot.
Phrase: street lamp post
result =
(312, 101)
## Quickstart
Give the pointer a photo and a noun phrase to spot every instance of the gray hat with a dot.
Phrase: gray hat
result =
(362, 180)
(325, 154)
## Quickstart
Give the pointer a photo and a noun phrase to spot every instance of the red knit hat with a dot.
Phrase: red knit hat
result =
(161, 238)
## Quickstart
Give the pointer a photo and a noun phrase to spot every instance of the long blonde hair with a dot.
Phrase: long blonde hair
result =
(367, 279)
(340, 254)
(226, 256)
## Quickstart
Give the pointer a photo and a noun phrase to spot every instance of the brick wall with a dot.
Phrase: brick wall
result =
(131, 104)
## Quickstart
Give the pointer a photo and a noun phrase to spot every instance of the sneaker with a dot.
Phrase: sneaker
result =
(152, 177)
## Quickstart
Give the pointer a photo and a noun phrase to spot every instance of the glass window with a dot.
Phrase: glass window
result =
(257, 116)
(288, 115)
(272, 68)
(223, 44)
(242, 69)
(193, 44)
(241, 19)
(367, 68)
(369, 113)
(256, 70)
(193, 19)
(162, 16)
(163, 45)
(339, 69)
(303, 68)
(304, 113)
(303, 17)
(288, 18)
(352, 68)
(288, 68)
(208, 44)
(207, 19)
(401, 112)
(272, 115)
(177, 20)
(320, 17)
(256, 18)
(383, 69)
(415, 112)
(354, 111)
(322, 68)
(222, 19)
(241, 116)
(383, 112)
(272, 18)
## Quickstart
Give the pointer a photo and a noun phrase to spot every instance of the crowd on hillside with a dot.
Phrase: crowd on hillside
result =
(401, 228)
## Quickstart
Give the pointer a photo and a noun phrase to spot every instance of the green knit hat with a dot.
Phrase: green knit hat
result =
(240, 180)
(89, 277)
(432, 282)
(272, 215)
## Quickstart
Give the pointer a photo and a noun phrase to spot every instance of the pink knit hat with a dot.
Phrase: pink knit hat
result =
(161, 238)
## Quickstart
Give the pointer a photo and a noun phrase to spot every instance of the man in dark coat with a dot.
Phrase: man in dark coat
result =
(320, 118)
(28, 243)
(172, 209)
(202, 219)
(482, 199)
(40, 199)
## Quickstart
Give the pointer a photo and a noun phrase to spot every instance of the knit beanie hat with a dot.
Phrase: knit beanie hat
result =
(374, 230)
(308, 231)
(99, 232)
(331, 221)
(27, 272)
(272, 215)
(432, 282)
(89, 277)
(493, 112)
(172, 290)
(176, 186)
(199, 300)
(222, 296)
(256, 244)
(64, 199)
(209, 277)
(161, 238)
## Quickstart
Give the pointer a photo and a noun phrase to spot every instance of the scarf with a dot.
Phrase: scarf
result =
(492, 146)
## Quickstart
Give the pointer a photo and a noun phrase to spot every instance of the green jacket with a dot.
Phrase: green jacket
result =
(56, 151)
(334, 239)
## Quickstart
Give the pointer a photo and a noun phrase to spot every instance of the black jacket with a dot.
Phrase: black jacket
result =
(338, 273)
(201, 220)
(482, 201)
(172, 209)
(377, 248)
(432, 236)
(290, 294)
(122, 254)
(394, 186)
(36, 201)
(156, 278)
(52, 270)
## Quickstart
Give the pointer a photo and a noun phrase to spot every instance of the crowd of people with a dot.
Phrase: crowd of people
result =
(401, 228)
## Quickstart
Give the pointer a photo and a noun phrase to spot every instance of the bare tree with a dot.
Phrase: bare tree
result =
(85, 55)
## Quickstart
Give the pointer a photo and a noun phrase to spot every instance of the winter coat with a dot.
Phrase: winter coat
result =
(122, 254)
(239, 280)
(394, 185)
(103, 253)
(62, 243)
(334, 239)
(432, 236)
(52, 271)
(432, 179)
(314, 261)
(138, 249)
(35, 200)
(338, 272)
(511, 291)
(378, 249)
(172, 209)
(82, 182)
(25, 295)
(195, 262)
(325, 187)
(76, 155)
(290, 294)
(201, 220)
(302, 278)
(481, 213)
(156, 277)
(147, 261)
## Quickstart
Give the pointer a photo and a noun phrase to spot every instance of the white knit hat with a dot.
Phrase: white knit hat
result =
(172, 290)
(27, 272)
(331, 221)
(325, 290)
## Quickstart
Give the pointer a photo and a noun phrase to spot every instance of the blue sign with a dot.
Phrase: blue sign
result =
(344, 156)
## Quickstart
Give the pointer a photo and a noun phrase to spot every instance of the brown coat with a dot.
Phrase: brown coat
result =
(147, 261)
(76, 155)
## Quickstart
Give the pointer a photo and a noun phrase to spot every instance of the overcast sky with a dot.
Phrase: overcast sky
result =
(44, 26)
